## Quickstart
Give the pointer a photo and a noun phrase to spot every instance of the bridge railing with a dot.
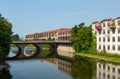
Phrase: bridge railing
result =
(41, 42)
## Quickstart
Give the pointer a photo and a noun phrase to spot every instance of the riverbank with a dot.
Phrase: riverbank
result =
(103, 56)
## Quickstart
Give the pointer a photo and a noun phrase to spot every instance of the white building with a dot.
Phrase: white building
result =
(107, 35)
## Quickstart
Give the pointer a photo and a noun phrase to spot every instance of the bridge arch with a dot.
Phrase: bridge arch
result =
(21, 50)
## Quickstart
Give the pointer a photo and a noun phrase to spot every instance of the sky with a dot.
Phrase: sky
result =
(30, 16)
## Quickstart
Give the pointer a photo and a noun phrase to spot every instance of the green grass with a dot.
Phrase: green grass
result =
(104, 56)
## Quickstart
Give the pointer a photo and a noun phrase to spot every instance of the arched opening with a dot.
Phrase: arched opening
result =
(14, 50)
(46, 50)
(30, 50)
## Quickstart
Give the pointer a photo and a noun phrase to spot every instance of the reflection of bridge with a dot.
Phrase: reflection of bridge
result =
(39, 45)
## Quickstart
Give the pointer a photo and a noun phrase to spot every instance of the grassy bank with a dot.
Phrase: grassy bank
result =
(103, 56)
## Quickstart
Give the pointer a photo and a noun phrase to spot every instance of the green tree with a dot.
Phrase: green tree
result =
(74, 33)
(81, 36)
(5, 37)
(15, 37)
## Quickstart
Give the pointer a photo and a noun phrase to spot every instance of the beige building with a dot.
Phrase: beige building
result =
(57, 34)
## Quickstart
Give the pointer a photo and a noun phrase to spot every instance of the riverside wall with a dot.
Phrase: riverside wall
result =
(67, 51)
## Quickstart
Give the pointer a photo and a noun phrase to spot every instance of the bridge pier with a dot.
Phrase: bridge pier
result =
(53, 48)
(39, 48)
(21, 50)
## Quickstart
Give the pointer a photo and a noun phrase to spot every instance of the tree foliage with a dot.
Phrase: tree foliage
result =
(5, 36)
(15, 37)
(81, 36)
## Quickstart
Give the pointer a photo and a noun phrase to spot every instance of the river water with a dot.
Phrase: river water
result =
(60, 68)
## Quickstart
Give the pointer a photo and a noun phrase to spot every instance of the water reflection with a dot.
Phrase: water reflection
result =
(83, 68)
(73, 68)
(13, 52)
(4, 71)
(107, 71)
(62, 65)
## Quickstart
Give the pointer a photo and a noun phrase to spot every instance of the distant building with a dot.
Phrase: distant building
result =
(62, 34)
(107, 35)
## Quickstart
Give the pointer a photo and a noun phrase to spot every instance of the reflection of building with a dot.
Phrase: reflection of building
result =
(51, 60)
(107, 71)
(62, 65)
(57, 34)
(107, 35)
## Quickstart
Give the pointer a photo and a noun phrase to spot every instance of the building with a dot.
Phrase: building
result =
(107, 35)
(62, 34)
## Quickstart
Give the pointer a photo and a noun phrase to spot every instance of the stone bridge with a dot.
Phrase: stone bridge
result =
(39, 45)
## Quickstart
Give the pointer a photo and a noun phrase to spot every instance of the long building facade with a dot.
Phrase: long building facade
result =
(62, 34)
(107, 35)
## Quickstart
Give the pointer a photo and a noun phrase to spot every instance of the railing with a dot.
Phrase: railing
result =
(41, 42)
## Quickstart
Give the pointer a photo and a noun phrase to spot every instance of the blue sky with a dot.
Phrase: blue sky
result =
(30, 16)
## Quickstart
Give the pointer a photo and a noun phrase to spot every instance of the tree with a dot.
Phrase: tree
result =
(15, 37)
(5, 37)
(81, 36)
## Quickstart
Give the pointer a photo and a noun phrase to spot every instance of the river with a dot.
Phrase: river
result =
(60, 68)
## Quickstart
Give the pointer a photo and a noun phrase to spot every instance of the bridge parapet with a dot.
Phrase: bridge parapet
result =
(41, 42)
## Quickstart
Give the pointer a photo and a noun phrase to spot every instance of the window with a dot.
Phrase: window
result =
(118, 47)
(108, 39)
(103, 39)
(108, 24)
(103, 47)
(113, 70)
(113, 77)
(103, 24)
(118, 71)
(108, 68)
(99, 32)
(103, 31)
(118, 22)
(99, 66)
(118, 38)
(99, 39)
(108, 47)
(99, 46)
(113, 39)
(118, 30)
(113, 47)
(108, 31)
(108, 76)
(113, 31)
(104, 75)
(103, 66)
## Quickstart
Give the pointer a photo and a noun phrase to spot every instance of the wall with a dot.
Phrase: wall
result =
(67, 51)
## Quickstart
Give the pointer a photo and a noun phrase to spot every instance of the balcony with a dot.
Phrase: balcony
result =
(112, 26)
(98, 28)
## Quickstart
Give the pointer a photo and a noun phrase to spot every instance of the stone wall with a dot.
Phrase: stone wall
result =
(67, 51)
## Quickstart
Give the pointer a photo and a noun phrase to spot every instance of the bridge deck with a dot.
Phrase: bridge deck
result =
(40, 42)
